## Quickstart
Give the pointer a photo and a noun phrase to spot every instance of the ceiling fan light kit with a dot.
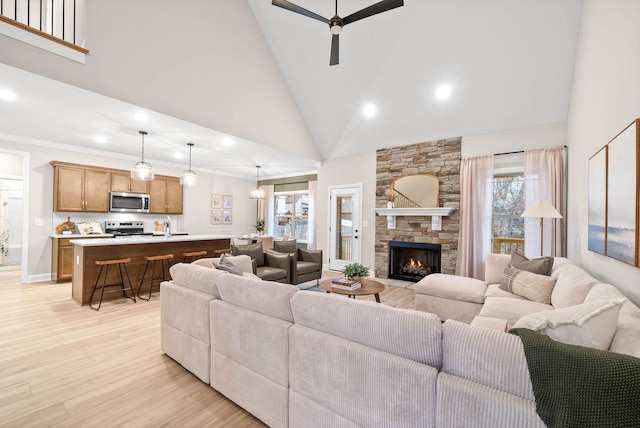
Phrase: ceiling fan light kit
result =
(336, 23)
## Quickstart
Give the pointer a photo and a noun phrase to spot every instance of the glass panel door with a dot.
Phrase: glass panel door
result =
(344, 228)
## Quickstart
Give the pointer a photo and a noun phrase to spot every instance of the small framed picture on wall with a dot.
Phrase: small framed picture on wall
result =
(216, 202)
(216, 216)
(227, 217)
(227, 202)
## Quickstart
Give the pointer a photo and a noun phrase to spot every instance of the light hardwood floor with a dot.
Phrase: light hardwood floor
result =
(66, 365)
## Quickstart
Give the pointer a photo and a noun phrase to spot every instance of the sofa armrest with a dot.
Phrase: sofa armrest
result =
(313, 256)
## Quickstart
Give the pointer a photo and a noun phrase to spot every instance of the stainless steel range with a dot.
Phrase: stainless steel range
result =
(126, 228)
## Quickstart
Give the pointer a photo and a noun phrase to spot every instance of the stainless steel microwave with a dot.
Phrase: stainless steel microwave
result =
(123, 202)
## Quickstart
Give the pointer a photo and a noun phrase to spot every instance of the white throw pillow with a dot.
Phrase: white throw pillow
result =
(590, 324)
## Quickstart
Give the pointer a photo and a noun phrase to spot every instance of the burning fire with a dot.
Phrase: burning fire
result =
(416, 268)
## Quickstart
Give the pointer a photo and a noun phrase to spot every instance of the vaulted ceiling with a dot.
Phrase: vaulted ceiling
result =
(508, 64)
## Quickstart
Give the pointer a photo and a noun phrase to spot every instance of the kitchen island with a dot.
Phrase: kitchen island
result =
(87, 251)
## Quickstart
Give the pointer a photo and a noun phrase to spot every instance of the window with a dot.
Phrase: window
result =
(507, 227)
(291, 215)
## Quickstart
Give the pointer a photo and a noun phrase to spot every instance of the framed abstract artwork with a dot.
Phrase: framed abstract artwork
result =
(622, 196)
(598, 201)
(614, 202)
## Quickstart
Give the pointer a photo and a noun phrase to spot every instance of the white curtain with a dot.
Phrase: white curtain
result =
(545, 179)
(476, 202)
(4, 226)
(265, 209)
(311, 225)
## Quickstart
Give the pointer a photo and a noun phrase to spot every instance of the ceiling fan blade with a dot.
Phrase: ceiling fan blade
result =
(297, 9)
(374, 9)
(335, 49)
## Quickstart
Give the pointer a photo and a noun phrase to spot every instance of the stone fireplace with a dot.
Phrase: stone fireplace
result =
(412, 261)
(441, 158)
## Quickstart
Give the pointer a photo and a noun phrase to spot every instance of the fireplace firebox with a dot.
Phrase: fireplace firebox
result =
(412, 261)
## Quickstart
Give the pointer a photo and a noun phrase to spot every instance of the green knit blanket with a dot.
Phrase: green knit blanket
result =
(581, 387)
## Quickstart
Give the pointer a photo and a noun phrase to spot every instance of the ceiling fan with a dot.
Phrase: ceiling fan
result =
(336, 23)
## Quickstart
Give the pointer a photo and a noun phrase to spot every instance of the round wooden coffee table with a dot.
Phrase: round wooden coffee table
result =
(369, 286)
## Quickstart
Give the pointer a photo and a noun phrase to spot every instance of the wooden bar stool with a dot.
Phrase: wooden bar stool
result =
(218, 253)
(163, 270)
(192, 256)
(104, 266)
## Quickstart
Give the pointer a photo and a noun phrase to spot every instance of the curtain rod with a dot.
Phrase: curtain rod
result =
(508, 153)
(515, 153)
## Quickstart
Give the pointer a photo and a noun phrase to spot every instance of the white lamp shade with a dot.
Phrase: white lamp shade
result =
(257, 194)
(189, 179)
(142, 171)
(541, 209)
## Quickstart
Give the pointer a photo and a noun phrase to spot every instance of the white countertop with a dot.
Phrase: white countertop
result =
(78, 235)
(145, 240)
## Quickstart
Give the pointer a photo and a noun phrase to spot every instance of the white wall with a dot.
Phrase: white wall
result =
(196, 208)
(533, 138)
(605, 98)
(357, 169)
(210, 66)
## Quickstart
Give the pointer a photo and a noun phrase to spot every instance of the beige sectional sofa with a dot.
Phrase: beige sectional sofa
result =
(470, 300)
(308, 359)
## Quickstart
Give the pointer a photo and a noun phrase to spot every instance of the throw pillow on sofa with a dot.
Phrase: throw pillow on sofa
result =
(541, 266)
(532, 286)
(236, 265)
(590, 324)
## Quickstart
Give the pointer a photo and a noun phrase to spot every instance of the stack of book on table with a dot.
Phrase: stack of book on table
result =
(345, 284)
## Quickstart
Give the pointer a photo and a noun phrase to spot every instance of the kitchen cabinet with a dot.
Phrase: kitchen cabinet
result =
(165, 195)
(122, 182)
(77, 188)
(62, 258)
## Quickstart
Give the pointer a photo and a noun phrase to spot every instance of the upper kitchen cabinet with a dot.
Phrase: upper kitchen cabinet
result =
(166, 195)
(122, 182)
(78, 188)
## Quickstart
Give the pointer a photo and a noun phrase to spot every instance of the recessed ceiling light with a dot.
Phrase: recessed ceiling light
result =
(228, 141)
(178, 155)
(100, 139)
(369, 110)
(443, 92)
(7, 95)
(140, 117)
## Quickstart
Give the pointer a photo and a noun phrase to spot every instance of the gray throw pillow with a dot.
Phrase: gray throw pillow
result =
(227, 267)
(541, 266)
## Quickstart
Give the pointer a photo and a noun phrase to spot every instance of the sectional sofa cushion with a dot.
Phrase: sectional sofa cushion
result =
(590, 324)
(410, 334)
(541, 266)
(265, 297)
(572, 286)
(197, 277)
(534, 287)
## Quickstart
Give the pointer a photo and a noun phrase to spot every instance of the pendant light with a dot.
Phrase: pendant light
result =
(189, 178)
(142, 170)
(257, 193)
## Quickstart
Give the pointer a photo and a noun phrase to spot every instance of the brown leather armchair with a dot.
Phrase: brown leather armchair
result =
(306, 265)
(268, 265)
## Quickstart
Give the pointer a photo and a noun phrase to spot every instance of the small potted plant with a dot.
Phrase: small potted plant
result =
(355, 271)
(67, 230)
(259, 226)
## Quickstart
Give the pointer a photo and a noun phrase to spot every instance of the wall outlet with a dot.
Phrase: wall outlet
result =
(365, 223)
(39, 222)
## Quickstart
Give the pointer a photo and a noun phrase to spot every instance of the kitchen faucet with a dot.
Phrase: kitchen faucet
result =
(167, 227)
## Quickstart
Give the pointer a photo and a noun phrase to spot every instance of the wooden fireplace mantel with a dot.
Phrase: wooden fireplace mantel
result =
(435, 213)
